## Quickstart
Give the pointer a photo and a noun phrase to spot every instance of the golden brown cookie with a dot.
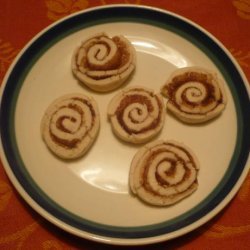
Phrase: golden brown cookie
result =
(195, 95)
(163, 173)
(103, 63)
(136, 114)
(70, 125)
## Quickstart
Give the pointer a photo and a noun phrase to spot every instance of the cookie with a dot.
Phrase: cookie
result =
(103, 63)
(195, 95)
(163, 173)
(136, 114)
(70, 125)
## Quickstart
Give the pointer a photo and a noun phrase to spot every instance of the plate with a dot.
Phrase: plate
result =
(90, 197)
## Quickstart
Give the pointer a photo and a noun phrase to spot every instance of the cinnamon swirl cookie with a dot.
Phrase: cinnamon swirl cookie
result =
(136, 114)
(70, 125)
(163, 172)
(194, 94)
(104, 63)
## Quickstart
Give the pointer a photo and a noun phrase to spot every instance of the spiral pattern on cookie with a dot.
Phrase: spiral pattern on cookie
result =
(163, 173)
(194, 95)
(104, 63)
(136, 114)
(70, 125)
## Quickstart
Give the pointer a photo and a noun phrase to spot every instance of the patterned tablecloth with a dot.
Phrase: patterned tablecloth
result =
(23, 228)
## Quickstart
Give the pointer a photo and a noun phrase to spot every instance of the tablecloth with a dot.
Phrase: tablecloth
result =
(20, 226)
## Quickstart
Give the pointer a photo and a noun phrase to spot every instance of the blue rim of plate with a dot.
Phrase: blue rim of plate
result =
(134, 14)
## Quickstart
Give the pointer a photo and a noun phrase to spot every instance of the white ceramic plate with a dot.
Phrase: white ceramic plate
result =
(90, 197)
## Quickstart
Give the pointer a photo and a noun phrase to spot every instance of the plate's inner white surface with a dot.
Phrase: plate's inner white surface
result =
(95, 187)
